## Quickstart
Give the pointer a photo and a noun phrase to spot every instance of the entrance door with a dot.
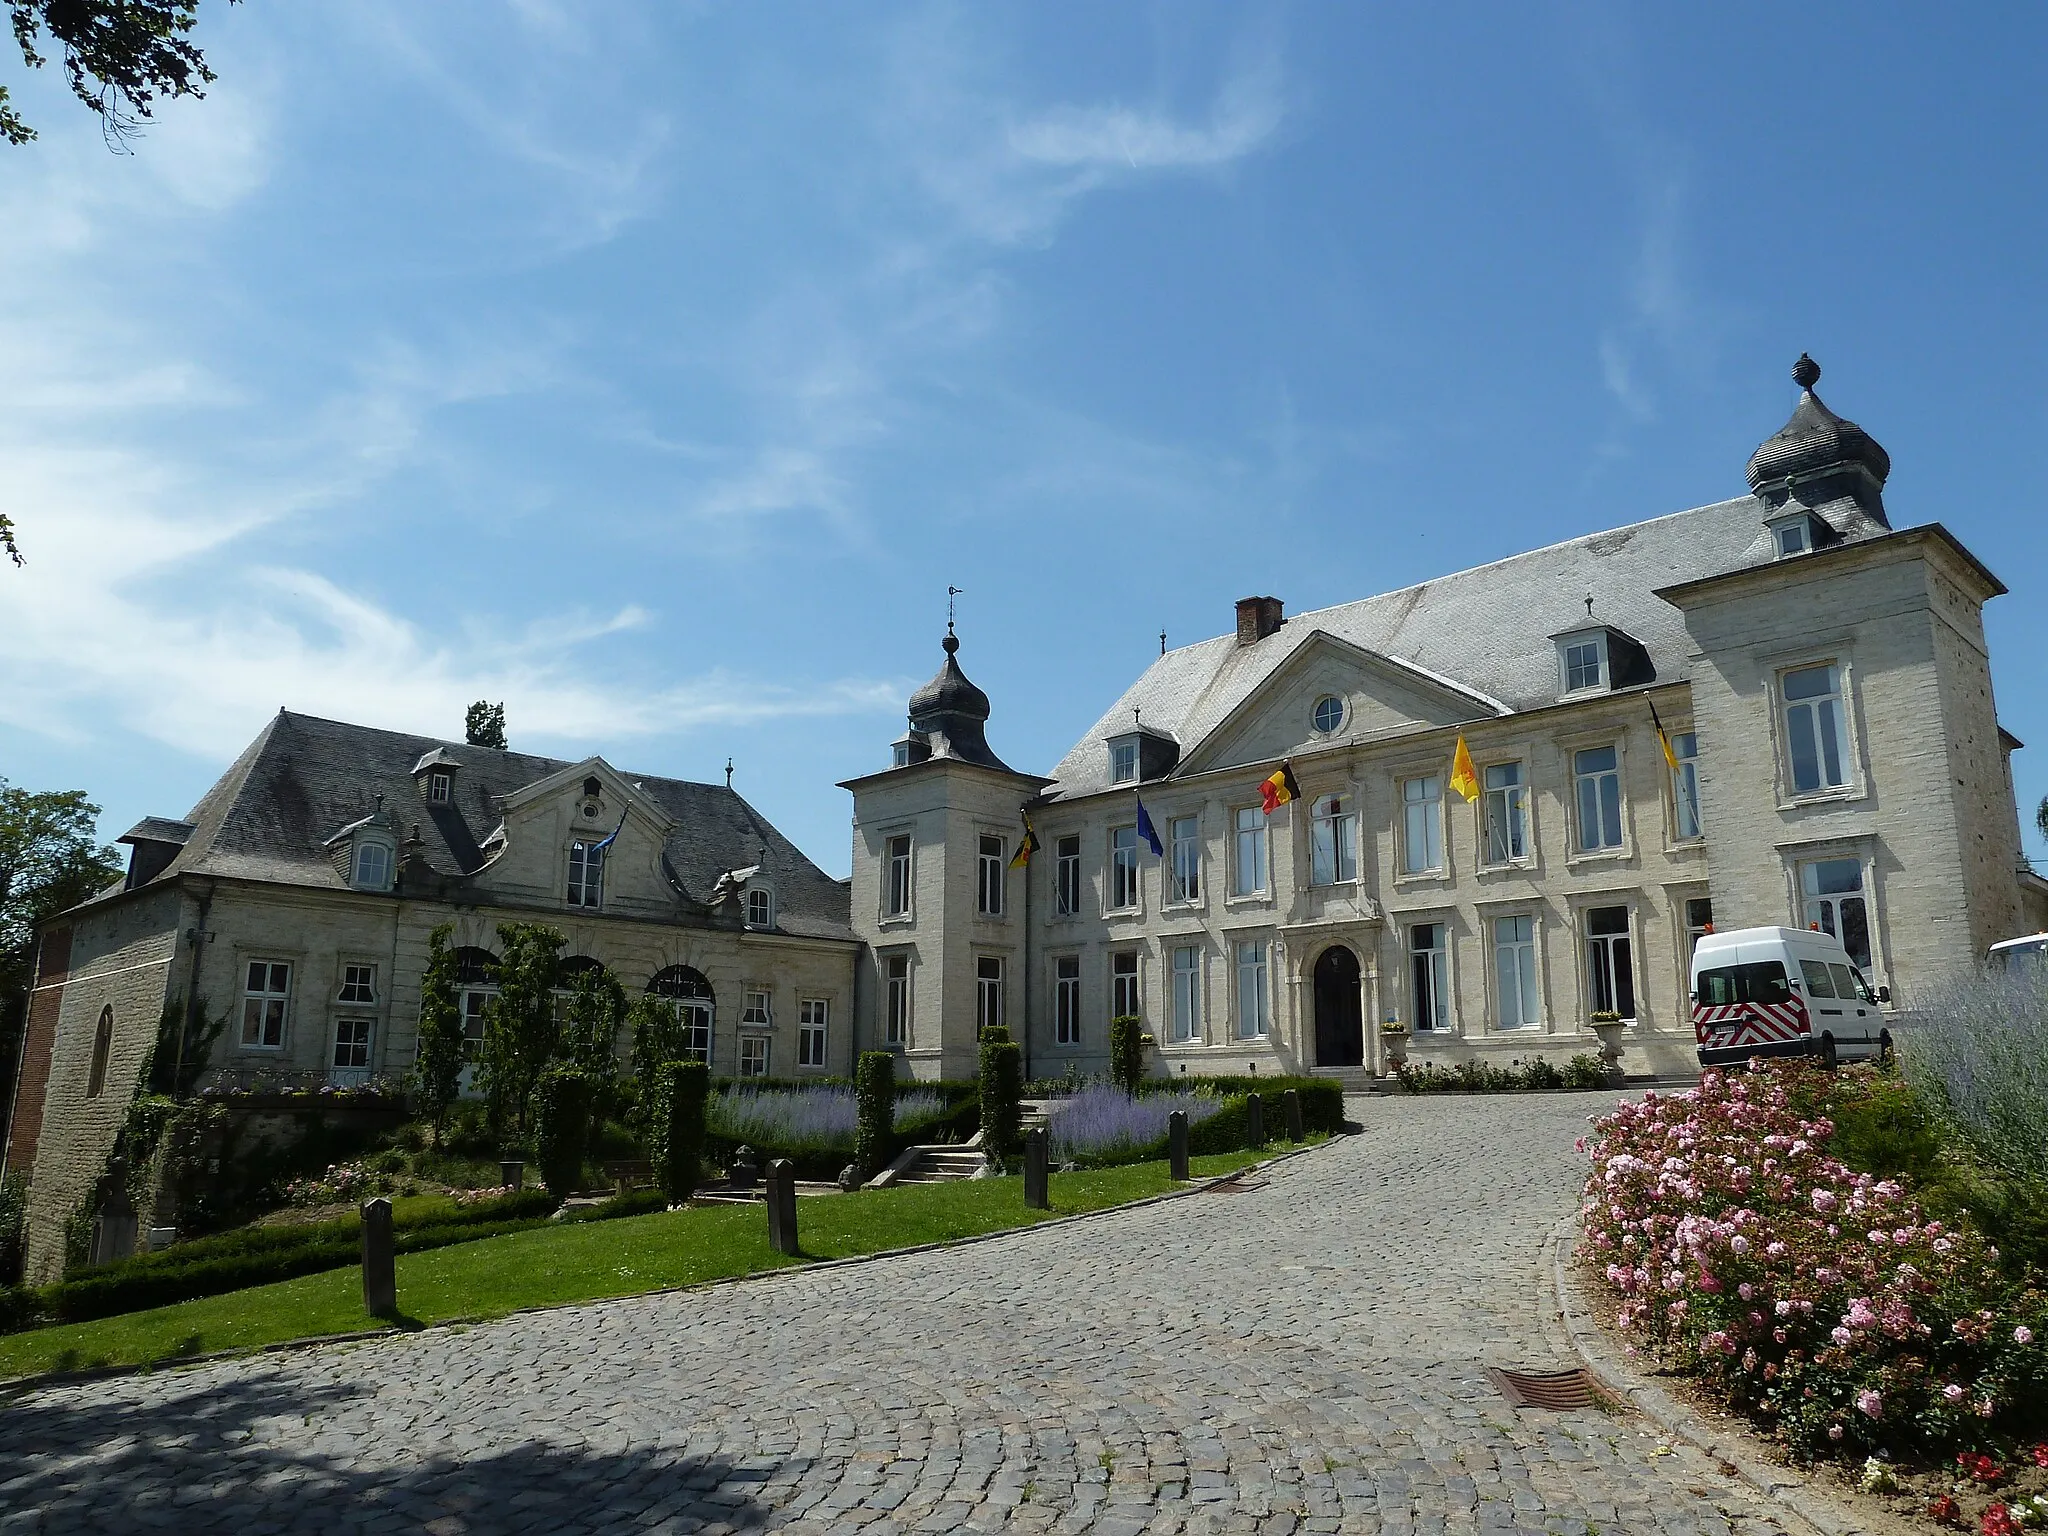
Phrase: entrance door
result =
(1340, 1022)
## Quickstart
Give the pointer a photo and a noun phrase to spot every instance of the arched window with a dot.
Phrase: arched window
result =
(476, 980)
(689, 994)
(373, 866)
(102, 1048)
(760, 908)
(566, 971)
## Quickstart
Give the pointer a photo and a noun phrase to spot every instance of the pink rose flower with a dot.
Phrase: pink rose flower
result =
(1870, 1404)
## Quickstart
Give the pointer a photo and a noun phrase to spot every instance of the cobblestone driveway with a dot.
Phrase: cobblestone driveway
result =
(1306, 1356)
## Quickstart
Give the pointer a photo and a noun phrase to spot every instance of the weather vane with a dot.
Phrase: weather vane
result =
(951, 593)
(728, 773)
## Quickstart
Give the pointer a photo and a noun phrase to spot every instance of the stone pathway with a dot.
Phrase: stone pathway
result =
(1303, 1356)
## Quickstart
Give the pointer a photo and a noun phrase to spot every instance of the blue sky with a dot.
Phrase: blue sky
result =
(656, 368)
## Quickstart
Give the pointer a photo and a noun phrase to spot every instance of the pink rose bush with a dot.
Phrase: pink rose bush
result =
(1818, 1300)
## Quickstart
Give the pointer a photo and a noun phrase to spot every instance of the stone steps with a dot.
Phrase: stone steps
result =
(941, 1164)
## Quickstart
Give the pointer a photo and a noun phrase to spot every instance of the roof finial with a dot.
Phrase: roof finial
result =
(1589, 605)
(952, 641)
(728, 773)
(1162, 642)
(1805, 372)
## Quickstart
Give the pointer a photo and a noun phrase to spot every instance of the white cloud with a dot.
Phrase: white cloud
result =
(1246, 115)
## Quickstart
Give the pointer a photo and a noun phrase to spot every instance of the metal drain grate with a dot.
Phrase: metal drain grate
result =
(1235, 1185)
(1545, 1389)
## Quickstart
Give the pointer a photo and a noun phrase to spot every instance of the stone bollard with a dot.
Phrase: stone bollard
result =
(780, 1188)
(1291, 1101)
(380, 1275)
(1038, 1169)
(511, 1172)
(1255, 1120)
(1177, 1146)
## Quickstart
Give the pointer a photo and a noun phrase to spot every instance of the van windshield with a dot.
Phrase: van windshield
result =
(1763, 981)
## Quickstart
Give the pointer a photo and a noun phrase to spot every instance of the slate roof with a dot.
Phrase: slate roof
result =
(1487, 629)
(303, 779)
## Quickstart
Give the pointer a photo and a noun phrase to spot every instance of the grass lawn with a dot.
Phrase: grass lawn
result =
(581, 1262)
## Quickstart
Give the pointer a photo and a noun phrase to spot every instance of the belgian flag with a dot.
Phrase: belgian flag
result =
(1026, 846)
(1280, 789)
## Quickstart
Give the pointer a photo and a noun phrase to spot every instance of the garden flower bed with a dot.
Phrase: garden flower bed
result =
(1822, 1303)
(1101, 1126)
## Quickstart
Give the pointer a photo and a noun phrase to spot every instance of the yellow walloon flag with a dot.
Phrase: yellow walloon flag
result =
(1463, 779)
(1026, 846)
(1663, 741)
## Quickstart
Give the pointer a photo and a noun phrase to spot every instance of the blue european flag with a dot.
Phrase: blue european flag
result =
(1149, 832)
(600, 847)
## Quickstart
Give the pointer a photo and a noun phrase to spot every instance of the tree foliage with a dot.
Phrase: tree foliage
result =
(675, 1093)
(119, 57)
(591, 1018)
(485, 725)
(437, 1058)
(874, 1087)
(657, 1028)
(561, 1128)
(520, 1028)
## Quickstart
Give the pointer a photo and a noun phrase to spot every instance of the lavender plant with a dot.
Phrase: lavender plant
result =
(1103, 1124)
(1977, 1052)
(807, 1119)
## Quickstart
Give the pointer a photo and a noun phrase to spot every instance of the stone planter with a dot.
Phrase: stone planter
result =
(1612, 1036)
(1394, 1047)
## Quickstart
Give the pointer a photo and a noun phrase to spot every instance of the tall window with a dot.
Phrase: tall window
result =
(1251, 991)
(988, 864)
(1123, 868)
(1422, 824)
(1333, 841)
(1813, 729)
(755, 1009)
(813, 1014)
(265, 996)
(1185, 833)
(1123, 985)
(1429, 972)
(586, 874)
(753, 1056)
(988, 993)
(1066, 1000)
(1685, 785)
(102, 1049)
(1596, 776)
(1187, 992)
(1699, 922)
(1506, 807)
(1067, 876)
(760, 909)
(352, 1044)
(373, 867)
(1514, 959)
(688, 993)
(896, 1010)
(896, 882)
(1249, 877)
(1123, 762)
(1835, 899)
(476, 978)
(1610, 977)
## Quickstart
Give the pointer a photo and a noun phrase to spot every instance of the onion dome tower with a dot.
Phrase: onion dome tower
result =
(1818, 459)
(947, 717)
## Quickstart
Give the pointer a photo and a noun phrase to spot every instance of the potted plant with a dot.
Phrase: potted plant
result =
(1607, 1024)
(1394, 1043)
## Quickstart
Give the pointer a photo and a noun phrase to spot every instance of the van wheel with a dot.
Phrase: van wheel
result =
(1886, 1055)
(1829, 1057)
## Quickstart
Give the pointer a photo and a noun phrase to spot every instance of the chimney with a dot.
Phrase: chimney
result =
(1257, 617)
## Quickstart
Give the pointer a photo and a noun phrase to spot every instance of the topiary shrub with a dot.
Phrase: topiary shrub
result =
(675, 1129)
(874, 1085)
(1126, 1051)
(437, 1058)
(561, 1128)
(1002, 1094)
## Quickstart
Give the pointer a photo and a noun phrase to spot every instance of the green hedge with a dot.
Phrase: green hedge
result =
(675, 1127)
(1127, 1051)
(1322, 1098)
(561, 1127)
(1001, 1086)
(875, 1083)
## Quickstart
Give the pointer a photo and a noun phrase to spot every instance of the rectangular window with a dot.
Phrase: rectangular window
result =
(439, 785)
(1251, 991)
(1685, 786)
(352, 1043)
(1187, 993)
(474, 1001)
(1699, 922)
(1333, 841)
(1429, 970)
(265, 997)
(1792, 537)
(1834, 898)
(1123, 868)
(1123, 985)
(1596, 775)
(373, 866)
(358, 984)
(1506, 808)
(989, 863)
(896, 883)
(813, 1014)
(755, 1010)
(1422, 825)
(1514, 958)
(1066, 1000)
(1610, 977)
(1123, 762)
(1249, 877)
(1813, 729)
(586, 874)
(1585, 663)
(988, 994)
(1185, 832)
(896, 1012)
(1067, 876)
(696, 1020)
(753, 1056)
(760, 909)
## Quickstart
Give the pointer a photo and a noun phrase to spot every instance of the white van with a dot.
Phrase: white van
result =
(2027, 954)
(1782, 992)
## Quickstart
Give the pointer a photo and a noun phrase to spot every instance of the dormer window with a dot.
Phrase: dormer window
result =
(901, 757)
(1123, 760)
(372, 870)
(1584, 657)
(440, 786)
(1599, 660)
(760, 908)
(1793, 535)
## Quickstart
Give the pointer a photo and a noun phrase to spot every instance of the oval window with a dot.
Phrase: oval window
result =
(1329, 713)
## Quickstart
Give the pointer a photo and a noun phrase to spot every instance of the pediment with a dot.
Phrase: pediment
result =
(1382, 696)
(616, 792)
